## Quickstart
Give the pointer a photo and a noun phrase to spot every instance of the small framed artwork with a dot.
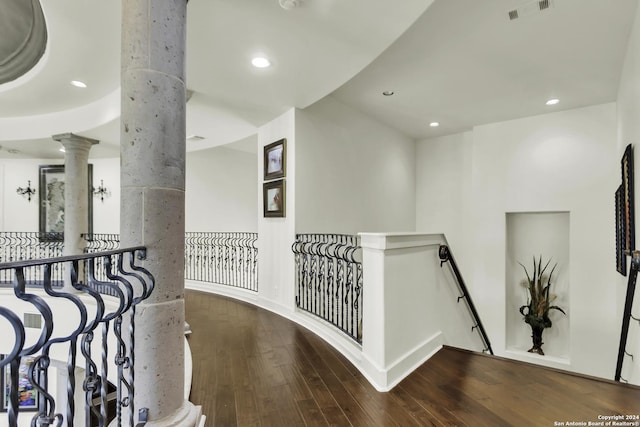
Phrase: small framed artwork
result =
(274, 198)
(275, 160)
(51, 224)
(27, 393)
(629, 243)
(621, 259)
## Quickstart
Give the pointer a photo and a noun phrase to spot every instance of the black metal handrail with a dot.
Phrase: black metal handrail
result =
(329, 280)
(28, 364)
(446, 255)
(627, 316)
(226, 258)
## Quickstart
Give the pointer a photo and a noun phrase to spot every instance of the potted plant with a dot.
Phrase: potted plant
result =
(536, 311)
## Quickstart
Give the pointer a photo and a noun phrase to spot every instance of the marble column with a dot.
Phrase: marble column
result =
(152, 159)
(76, 190)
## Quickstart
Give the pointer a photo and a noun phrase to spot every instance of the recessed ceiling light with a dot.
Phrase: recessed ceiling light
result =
(78, 83)
(62, 150)
(434, 124)
(388, 93)
(260, 62)
(553, 101)
(289, 4)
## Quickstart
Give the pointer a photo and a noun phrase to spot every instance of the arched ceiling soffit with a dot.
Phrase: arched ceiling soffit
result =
(23, 37)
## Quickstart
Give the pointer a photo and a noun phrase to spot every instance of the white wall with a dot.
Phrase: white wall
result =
(276, 265)
(443, 202)
(18, 214)
(629, 133)
(564, 161)
(221, 190)
(353, 174)
(106, 213)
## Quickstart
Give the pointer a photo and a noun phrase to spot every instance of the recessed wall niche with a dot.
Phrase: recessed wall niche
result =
(529, 235)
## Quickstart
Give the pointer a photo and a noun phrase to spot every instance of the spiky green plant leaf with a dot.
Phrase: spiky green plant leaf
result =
(536, 312)
(555, 307)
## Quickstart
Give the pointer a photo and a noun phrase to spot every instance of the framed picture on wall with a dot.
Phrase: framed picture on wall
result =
(27, 393)
(628, 199)
(621, 259)
(51, 221)
(275, 159)
(274, 198)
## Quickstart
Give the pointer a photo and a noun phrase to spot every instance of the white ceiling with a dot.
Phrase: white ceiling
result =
(464, 63)
(460, 62)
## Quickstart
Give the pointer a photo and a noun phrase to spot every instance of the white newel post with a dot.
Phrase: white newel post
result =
(373, 309)
(409, 305)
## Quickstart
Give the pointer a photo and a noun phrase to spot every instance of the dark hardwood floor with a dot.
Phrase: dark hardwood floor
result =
(255, 368)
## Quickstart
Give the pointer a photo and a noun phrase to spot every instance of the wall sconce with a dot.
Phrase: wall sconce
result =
(101, 191)
(28, 191)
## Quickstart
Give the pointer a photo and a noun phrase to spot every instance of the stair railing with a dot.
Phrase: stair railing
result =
(627, 316)
(446, 256)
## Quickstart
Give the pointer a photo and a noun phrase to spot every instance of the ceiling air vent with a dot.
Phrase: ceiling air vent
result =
(195, 138)
(530, 8)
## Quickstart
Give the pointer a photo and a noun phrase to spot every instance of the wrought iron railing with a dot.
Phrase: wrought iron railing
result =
(215, 257)
(224, 258)
(23, 246)
(97, 242)
(20, 246)
(27, 363)
(329, 279)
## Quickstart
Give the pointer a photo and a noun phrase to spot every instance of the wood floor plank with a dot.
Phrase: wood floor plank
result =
(252, 367)
(297, 383)
(428, 396)
(413, 408)
(246, 406)
(311, 413)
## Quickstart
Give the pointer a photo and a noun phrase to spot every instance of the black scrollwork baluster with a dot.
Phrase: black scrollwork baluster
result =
(241, 267)
(204, 248)
(329, 279)
(295, 248)
(232, 258)
(19, 287)
(213, 257)
(340, 288)
(313, 277)
(93, 381)
(255, 262)
(114, 279)
(12, 361)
